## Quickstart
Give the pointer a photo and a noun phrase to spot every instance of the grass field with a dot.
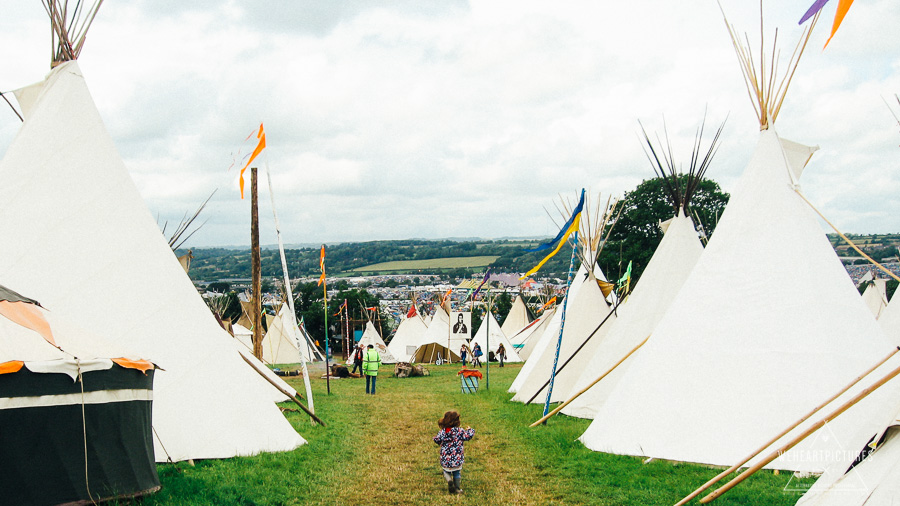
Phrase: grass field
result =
(431, 264)
(378, 450)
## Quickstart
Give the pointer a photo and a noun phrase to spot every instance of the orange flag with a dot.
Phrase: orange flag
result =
(322, 265)
(28, 316)
(261, 135)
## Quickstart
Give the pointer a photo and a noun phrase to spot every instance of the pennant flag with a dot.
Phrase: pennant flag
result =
(843, 7)
(261, 135)
(322, 265)
(26, 312)
(373, 308)
(411, 312)
(487, 276)
(551, 301)
(625, 280)
(570, 226)
(444, 298)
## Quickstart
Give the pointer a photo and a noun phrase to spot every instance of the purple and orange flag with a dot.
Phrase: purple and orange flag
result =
(843, 7)
(260, 145)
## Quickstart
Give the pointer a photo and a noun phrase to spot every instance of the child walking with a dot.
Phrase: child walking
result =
(451, 439)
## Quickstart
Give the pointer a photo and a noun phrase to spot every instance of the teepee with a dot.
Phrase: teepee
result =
(497, 337)
(875, 297)
(526, 339)
(407, 337)
(672, 261)
(518, 318)
(766, 326)
(278, 345)
(890, 319)
(371, 336)
(68, 201)
(436, 343)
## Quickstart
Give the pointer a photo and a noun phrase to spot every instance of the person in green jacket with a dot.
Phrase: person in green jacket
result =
(371, 361)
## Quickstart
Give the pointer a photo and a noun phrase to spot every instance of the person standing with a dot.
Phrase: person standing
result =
(476, 355)
(463, 353)
(371, 361)
(358, 359)
(501, 354)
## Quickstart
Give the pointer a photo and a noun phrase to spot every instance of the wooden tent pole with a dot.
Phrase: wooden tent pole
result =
(787, 446)
(794, 425)
(291, 395)
(256, 299)
(585, 389)
(846, 239)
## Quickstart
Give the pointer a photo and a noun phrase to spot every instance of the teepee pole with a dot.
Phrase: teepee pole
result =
(794, 425)
(787, 446)
(256, 296)
(562, 322)
(292, 319)
(585, 389)
(846, 239)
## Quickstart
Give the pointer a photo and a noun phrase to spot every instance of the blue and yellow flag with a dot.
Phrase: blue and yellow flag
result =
(560, 239)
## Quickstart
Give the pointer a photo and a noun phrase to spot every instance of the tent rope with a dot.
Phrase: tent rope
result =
(87, 484)
(168, 457)
(846, 239)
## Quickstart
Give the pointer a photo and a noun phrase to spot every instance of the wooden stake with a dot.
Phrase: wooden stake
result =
(818, 425)
(585, 389)
(256, 299)
(291, 395)
(793, 426)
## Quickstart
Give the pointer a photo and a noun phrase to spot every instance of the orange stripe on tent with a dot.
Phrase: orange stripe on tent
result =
(28, 316)
(141, 365)
(11, 366)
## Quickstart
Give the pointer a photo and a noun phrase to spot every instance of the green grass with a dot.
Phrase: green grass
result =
(378, 450)
(434, 263)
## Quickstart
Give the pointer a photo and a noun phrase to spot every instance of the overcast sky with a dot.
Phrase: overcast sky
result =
(416, 119)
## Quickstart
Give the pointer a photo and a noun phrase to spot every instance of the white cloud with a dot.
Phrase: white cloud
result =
(395, 119)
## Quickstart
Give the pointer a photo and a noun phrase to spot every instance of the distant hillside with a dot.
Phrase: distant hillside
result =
(212, 264)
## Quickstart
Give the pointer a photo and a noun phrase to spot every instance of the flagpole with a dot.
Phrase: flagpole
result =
(325, 304)
(562, 323)
(487, 343)
(256, 299)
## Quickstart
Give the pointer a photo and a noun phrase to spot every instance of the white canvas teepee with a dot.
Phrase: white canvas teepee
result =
(875, 297)
(670, 265)
(890, 319)
(371, 336)
(435, 342)
(497, 337)
(68, 201)
(518, 318)
(767, 305)
(277, 345)
(407, 338)
(550, 333)
(526, 339)
(586, 311)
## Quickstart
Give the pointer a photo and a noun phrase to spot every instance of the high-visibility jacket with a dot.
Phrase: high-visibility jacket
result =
(371, 361)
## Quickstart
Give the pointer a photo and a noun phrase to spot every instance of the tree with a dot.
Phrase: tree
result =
(503, 304)
(636, 233)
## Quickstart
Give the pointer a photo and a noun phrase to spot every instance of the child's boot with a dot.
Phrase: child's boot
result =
(456, 484)
(451, 485)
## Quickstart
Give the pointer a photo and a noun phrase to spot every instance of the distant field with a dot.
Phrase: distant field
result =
(434, 263)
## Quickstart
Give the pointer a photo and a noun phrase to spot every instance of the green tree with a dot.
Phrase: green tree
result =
(503, 304)
(636, 234)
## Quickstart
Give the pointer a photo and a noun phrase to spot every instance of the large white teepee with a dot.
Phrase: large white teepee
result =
(670, 265)
(279, 347)
(371, 336)
(497, 337)
(585, 312)
(890, 319)
(526, 339)
(407, 338)
(518, 318)
(436, 340)
(767, 325)
(875, 297)
(68, 202)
